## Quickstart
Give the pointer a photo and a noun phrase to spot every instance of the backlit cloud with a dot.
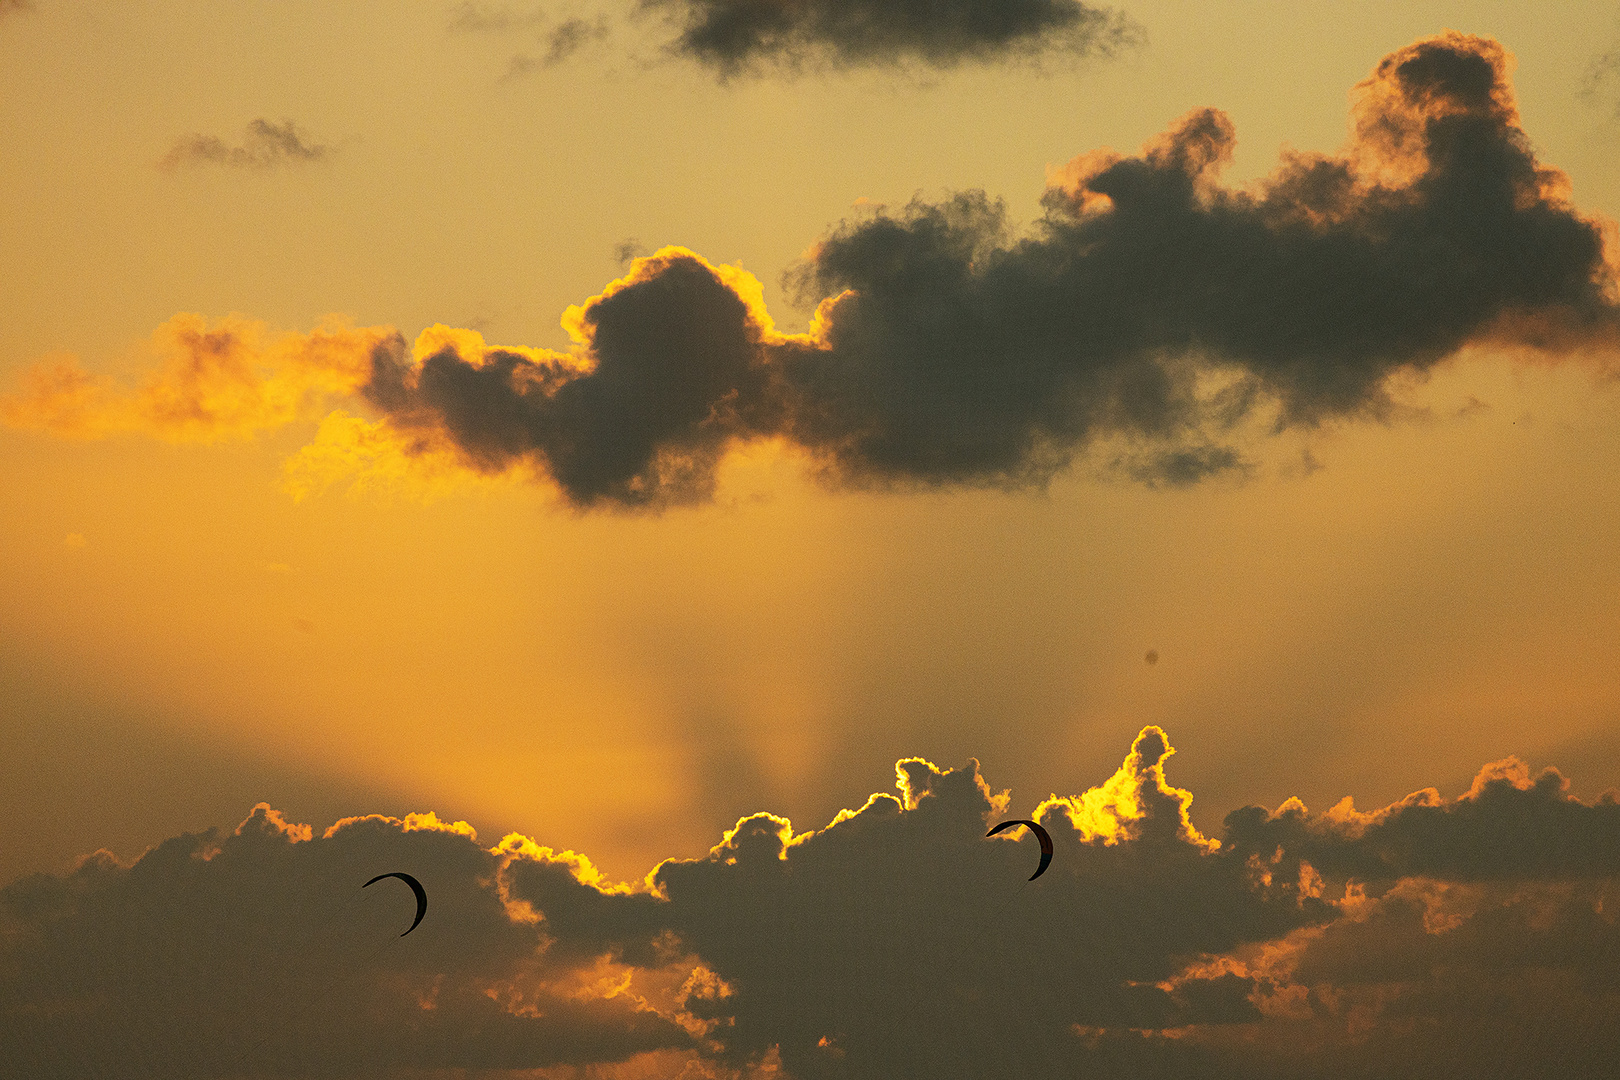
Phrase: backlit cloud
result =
(734, 36)
(1152, 303)
(257, 953)
(897, 942)
(264, 145)
(1151, 311)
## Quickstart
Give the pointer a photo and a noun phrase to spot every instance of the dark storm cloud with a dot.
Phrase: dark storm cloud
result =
(1151, 305)
(733, 36)
(263, 146)
(256, 953)
(898, 942)
(679, 373)
(1507, 827)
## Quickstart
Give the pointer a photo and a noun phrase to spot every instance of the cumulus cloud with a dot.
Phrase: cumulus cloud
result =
(1507, 826)
(897, 942)
(1152, 303)
(1154, 317)
(264, 145)
(734, 36)
(255, 953)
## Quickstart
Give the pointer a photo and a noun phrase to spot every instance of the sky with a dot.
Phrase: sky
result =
(572, 453)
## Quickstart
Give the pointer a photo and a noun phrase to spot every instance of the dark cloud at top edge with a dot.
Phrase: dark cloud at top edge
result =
(1151, 305)
(734, 37)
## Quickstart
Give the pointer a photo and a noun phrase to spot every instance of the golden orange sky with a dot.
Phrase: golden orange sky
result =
(231, 577)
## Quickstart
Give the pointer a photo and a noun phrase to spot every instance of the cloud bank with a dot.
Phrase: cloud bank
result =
(264, 145)
(1448, 938)
(1151, 307)
(736, 36)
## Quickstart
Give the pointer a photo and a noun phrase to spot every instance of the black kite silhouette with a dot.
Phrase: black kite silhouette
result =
(421, 893)
(1040, 834)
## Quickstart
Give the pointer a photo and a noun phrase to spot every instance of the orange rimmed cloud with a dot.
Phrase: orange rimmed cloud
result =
(1154, 311)
(1300, 947)
(1154, 308)
(1136, 801)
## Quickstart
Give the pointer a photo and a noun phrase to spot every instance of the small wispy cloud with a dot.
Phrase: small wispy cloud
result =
(475, 17)
(554, 39)
(628, 249)
(567, 39)
(264, 145)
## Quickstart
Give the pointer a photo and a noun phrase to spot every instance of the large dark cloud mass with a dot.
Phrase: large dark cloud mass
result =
(732, 36)
(256, 953)
(1151, 305)
(1441, 938)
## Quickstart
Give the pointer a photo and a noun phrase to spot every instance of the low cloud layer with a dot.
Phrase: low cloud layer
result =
(1152, 308)
(735, 36)
(1451, 938)
(265, 145)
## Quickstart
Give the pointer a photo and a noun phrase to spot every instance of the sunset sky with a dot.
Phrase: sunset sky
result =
(628, 428)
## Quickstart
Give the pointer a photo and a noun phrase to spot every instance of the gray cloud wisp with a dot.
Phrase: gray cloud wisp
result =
(264, 145)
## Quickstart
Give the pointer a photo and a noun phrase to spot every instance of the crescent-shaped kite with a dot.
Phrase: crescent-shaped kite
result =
(1040, 834)
(416, 887)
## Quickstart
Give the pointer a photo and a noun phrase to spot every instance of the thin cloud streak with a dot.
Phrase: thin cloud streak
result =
(472, 16)
(897, 942)
(265, 145)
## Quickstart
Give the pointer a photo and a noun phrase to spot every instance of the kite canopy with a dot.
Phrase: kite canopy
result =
(1040, 834)
(421, 894)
